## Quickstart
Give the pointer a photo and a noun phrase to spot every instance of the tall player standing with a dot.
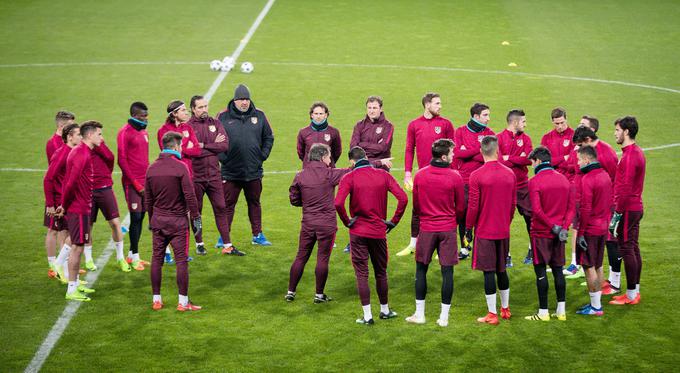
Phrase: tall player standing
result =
(319, 131)
(133, 160)
(420, 134)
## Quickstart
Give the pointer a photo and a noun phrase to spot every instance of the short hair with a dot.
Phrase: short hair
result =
(514, 114)
(321, 105)
(195, 98)
(588, 152)
(66, 132)
(557, 113)
(171, 139)
(377, 99)
(581, 133)
(541, 154)
(593, 122)
(88, 127)
(429, 96)
(489, 145)
(477, 109)
(63, 116)
(356, 153)
(137, 106)
(318, 151)
(441, 148)
(628, 123)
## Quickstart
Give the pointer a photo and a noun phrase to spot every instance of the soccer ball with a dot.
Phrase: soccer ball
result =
(215, 65)
(247, 67)
(228, 63)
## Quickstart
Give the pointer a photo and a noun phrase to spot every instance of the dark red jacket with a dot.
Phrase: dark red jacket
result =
(596, 201)
(560, 144)
(420, 135)
(552, 201)
(133, 155)
(190, 147)
(630, 180)
(308, 136)
(77, 188)
(313, 189)
(54, 178)
(206, 165)
(491, 201)
(469, 159)
(374, 137)
(102, 164)
(438, 197)
(367, 188)
(517, 147)
(168, 189)
(607, 158)
(55, 142)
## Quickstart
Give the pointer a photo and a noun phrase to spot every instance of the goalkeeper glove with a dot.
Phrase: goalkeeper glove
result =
(563, 235)
(582, 243)
(556, 229)
(614, 224)
(467, 239)
(197, 224)
(351, 222)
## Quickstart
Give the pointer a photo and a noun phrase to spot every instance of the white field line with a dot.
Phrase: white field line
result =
(286, 172)
(118, 63)
(72, 307)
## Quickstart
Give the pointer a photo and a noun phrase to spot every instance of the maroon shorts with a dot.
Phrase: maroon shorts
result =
(549, 251)
(134, 199)
(490, 255)
(78, 228)
(594, 255)
(523, 202)
(54, 223)
(105, 200)
(446, 244)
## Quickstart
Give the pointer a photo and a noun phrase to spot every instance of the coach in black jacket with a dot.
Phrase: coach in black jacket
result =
(250, 142)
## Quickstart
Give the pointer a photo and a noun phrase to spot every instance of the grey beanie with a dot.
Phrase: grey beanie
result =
(241, 92)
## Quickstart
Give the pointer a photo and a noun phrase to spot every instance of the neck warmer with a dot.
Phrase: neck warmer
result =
(173, 152)
(590, 166)
(363, 162)
(439, 163)
(543, 166)
(319, 126)
(475, 126)
(137, 124)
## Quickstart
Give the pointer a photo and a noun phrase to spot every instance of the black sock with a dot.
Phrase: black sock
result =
(421, 281)
(135, 231)
(447, 284)
(560, 283)
(503, 280)
(613, 255)
(489, 282)
(542, 286)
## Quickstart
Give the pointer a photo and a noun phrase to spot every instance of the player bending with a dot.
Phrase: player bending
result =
(438, 199)
(552, 202)
(491, 207)
(368, 188)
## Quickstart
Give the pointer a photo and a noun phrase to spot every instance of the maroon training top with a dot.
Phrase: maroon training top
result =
(560, 144)
(313, 188)
(517, 147)
(77, 189)
(374, 137)
(438, 197)
(420, 135)
(206, 165)
(55, 142)
(308, 136)
(133, 155)
(491, 201)
(469, 159)
(102, 164)
(630, 179)
(368, 187)
(168, 190)
(596, 202)
(190, 147)
(54, 178)
(552, 201)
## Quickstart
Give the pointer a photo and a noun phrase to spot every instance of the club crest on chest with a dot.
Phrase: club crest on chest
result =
(212, 128)
(253, 120)
(437, 130)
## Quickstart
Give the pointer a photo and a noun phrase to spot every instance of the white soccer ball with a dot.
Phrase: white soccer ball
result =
(215, 65)
(229, 62)
(247, 67)
(224, 67)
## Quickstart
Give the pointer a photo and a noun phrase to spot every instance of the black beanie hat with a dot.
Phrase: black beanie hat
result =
(241, 92)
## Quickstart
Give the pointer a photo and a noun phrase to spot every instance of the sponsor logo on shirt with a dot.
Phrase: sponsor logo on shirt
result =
(212, 128)
(437, 130)
(565, 143)
(185, 133)
(327, 137)
(253, 120)
(520, 142)
(378, 130)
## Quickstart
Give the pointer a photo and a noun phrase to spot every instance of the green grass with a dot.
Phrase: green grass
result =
(246, 325)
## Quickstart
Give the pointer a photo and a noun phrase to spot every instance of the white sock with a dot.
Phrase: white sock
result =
(72, 287)
(63, 254)
(573, 259)
(413, 242)
(615, 278)
(505, 298)
(88, 253)
(317, 295)
(637, 288)
(542, 312)
(119, 250)
(595, 299)
(199, 244)
(367, 312)
(51, 259)
(444, 314)
(157, 298)
(631, 294)
(135, 257)
(167, 249)
(420, 309)
(183, 299)
(65, 268)
(561, 308)
(385, 308)
(491, 302)
(129, 254)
